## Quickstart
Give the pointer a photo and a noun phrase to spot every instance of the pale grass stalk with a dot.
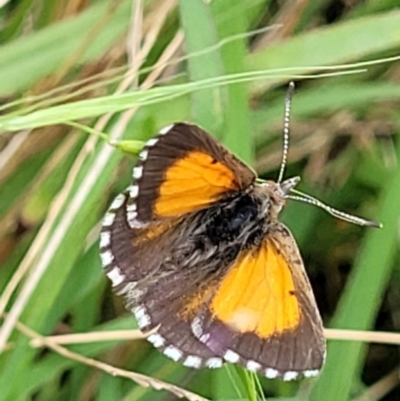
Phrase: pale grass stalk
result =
(363, 336)
(72, 60)
(56, 158)
(3, 3)
(382, 387)
(11, 148)
(122, 335)
(42, 240)
(274, 73)
(141, 380)
(101, 79)
(94, 336)
(152, 24)
(50, 244)
(157, 22)
(287, 20)
(133, 39)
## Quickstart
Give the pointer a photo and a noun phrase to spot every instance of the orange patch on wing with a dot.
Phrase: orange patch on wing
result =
(258, 294)
(192, 182)
(194, 303)
(147, 234)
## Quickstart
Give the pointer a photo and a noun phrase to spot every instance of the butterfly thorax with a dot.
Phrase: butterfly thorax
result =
(274, 198)
(274, 194)
(216, 235)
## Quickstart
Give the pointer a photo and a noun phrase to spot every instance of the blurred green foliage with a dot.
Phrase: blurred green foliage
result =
(63, 61)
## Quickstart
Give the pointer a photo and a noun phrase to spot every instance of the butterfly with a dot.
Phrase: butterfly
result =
(196, 248)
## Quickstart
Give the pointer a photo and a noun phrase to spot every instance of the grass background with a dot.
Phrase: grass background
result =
(129, 68)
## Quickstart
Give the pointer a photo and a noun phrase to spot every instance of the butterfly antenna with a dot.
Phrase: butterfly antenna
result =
(299, 196)
(286, 121)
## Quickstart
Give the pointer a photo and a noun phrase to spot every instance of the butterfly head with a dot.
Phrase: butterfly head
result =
(276, 193)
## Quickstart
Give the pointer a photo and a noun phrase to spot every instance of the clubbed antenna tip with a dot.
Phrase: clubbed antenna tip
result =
(299, 196)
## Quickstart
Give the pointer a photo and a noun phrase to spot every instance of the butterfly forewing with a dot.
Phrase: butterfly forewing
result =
(181, 170)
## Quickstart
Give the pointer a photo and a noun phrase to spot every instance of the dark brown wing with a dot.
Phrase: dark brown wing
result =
(263, 315)
(259, 313)
(257, 310)
(181, 170)
(136, 262)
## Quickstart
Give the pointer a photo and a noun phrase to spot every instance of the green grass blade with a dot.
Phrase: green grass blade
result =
(362, 297)
(60, 259)
(200, 33)
(237, 133)
(357, 39)
(48, 48)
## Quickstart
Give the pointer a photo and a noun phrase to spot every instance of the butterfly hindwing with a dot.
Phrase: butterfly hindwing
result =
(181, 170)
(155, 290)
(259, 311)
(170, 305)
(264, 315)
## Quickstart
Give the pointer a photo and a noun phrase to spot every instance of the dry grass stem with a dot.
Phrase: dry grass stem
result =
(382, 387)
(114, 335)
(142, 380)
(363, 336)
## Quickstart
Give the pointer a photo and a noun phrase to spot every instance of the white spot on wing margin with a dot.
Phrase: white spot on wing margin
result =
(117, 202)
(214, 362)
(192, 361)
(290, 376)
(108, 219)
(156, 339)
(106, 258)
(271, 373)
(231, 356)
(115, 276)
(137, 172)
(105, 239)
(166, 129)
(133, 191)
(173, 353)
(253, 366)
(151, 142)
(311, 373)
(143, 319)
